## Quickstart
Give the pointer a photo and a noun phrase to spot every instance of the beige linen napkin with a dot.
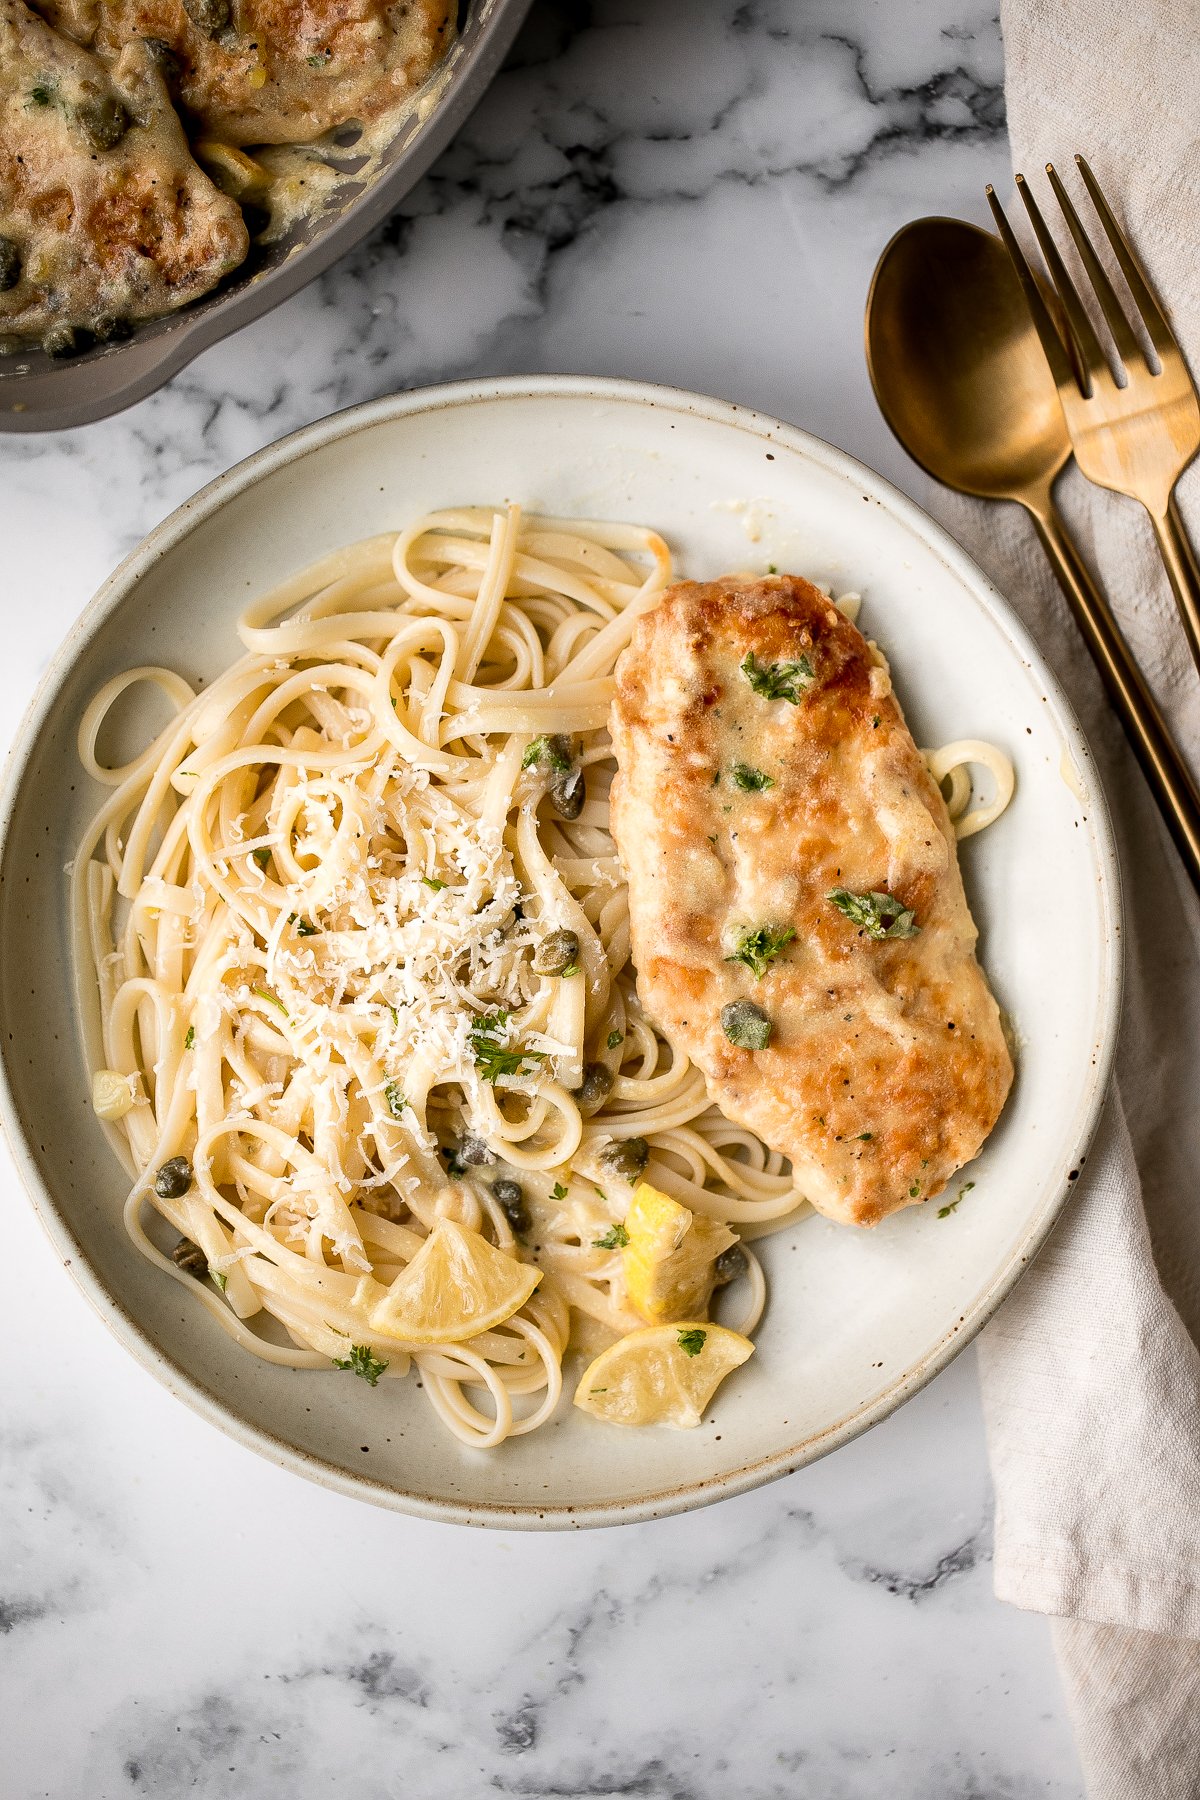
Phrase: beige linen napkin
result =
(1091, 1378)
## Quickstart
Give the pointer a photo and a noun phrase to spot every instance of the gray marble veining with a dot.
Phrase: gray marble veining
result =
(696, 194)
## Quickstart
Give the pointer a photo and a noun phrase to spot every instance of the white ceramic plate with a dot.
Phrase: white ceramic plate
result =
(857, 1321)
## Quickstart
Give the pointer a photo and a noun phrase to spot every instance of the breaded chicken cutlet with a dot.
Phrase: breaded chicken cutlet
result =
(105, 219)
(798, 918)
(272, 71)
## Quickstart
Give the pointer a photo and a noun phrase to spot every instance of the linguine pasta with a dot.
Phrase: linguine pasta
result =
(316, 922)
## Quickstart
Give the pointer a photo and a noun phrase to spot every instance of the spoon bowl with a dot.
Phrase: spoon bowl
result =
(956, 364)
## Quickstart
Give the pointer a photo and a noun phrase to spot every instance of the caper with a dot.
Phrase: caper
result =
(555, 751)
(511, 1201)
(556, 953)
(105, 121)
(567, 791)
(595, 1086)
(173, 1179)
(189, 1257)
(163, 58)
(10, 264)
(627, 1159)
(208, 15)
(64, 340)
(472, 1152)
(730, 1265)
(565, 786)
(111, 328)
(746, 1025)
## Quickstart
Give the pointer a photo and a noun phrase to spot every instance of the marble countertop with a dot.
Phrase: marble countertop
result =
(695, 194)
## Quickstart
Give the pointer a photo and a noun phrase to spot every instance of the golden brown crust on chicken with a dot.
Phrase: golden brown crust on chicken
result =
(104, 216)
(887, 1066)
(275, 71)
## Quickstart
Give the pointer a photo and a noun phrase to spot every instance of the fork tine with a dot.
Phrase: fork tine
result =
(1061, 365)
(1081, 337)
(1128, 347)
(1160, 333)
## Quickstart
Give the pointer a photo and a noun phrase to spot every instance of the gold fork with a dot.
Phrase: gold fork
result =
(1137, 439)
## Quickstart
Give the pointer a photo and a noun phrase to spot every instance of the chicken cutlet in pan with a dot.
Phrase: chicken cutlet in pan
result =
(104, 216)
(273, 71)
(798, 918)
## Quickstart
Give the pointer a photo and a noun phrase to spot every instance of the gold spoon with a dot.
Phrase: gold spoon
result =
(963, 382)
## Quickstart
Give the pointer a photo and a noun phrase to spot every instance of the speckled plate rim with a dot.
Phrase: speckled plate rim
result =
(219, 1411)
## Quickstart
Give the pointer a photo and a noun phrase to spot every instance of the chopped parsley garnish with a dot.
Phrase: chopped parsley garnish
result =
(303, 928)
(319, 60)
(363, 1361)
(571, 969)
(779, 681)
(615, 1238)
(864, 1137)
(396, 1102)
(945, 1211)
(692, 1342)
(431, 881)
(879, 915)
(914, 1190)
(592, 1391)
(771, 569)
(615, 1038)
(875, 723)
(746, 1025)
(262, 856)
(189, 1041)
(492, 1059)
(42, 94)
(558, 1191)
(751, 781)
(759, 948)
(271, 999)
(545, 750)
(222, 1281)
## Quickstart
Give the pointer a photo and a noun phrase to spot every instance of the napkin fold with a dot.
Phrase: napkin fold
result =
(1090, 1372)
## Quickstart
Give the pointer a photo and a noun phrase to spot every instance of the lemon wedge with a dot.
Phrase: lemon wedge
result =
(456, 1286)
(668, 1261)
(661, 1375)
